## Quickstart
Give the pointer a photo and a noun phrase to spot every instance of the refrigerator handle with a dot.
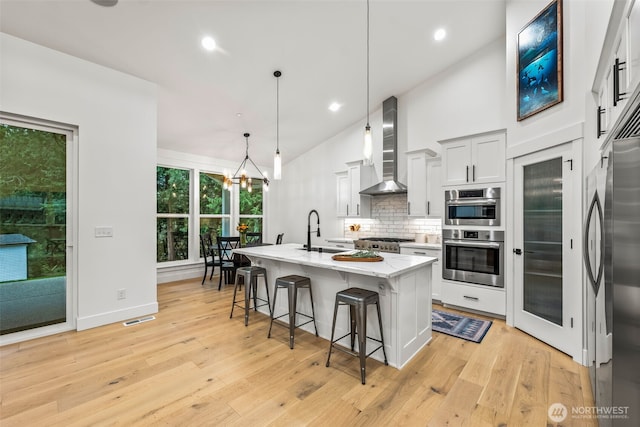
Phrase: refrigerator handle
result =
(595, 205)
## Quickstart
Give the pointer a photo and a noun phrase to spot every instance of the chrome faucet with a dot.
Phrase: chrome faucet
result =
(309, 228)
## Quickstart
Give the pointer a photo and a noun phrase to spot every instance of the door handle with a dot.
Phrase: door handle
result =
(517, 251)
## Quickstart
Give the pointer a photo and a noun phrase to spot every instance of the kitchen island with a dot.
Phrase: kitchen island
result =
(403, 282)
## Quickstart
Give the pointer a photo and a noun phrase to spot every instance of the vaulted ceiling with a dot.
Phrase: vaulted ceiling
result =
(207, 100)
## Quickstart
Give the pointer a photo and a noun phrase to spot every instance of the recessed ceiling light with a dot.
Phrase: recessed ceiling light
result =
(440, 34)
(334, 106)
(208, 43)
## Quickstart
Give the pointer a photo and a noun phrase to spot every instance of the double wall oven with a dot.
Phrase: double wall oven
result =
(473, 254)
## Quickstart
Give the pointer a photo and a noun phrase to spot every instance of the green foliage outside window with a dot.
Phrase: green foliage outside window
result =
(172, 195)
(214, 200)
(251, 203)
(33, 198)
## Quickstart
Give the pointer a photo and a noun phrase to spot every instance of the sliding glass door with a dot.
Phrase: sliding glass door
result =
(34, 232)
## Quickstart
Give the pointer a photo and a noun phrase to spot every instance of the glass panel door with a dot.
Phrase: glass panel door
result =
(33, 228)
(542, 226)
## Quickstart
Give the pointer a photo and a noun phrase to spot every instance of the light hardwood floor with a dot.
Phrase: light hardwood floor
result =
(193, 366)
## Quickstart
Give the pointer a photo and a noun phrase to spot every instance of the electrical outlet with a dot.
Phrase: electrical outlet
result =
(122, 293)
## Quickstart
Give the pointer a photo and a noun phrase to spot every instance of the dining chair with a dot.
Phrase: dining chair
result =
(209, 254)
(254, 238)
(279, 239)
(228, 265)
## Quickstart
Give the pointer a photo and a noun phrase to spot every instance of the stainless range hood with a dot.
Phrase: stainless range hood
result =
(390, 183)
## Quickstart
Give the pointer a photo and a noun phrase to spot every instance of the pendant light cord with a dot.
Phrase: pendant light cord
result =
(367, 62)
(277, 74)
(277, 115)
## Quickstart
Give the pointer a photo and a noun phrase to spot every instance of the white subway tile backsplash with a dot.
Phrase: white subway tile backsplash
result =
(389, 219)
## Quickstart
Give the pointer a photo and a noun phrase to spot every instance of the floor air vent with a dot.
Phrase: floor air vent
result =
(136, 321)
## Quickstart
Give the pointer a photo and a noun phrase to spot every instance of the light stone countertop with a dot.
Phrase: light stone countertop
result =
(393, 264)
(415, 245)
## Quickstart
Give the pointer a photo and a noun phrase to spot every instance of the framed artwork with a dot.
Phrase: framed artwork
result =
(540, 62)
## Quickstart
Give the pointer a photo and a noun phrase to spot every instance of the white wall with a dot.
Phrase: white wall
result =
(467, 98)
(572, 110)
(116, 119)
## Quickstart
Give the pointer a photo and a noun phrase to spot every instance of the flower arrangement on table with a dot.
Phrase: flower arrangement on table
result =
(242, 228)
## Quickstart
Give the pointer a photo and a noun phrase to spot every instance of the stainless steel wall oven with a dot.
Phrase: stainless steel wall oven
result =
(474, 256)
(472, 207)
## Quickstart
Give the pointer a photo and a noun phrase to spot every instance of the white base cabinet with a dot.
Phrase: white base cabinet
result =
(436, 267)
(475, 297)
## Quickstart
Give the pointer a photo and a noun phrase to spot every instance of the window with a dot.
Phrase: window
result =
(215, 211)
(186, 209)
(172, 222)
(251, 211)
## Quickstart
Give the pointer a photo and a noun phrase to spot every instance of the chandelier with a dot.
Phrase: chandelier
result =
(241, 177)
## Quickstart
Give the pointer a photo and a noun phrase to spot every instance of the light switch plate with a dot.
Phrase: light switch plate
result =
(104, 231)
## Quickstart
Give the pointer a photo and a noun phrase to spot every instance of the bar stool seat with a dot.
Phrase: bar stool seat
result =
(357, 299)
(292, 283)
(249, 276)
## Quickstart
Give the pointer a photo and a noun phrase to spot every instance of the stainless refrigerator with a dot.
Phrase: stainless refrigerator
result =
(612, 263)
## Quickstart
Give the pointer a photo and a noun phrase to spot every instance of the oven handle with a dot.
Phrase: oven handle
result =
(465, 202)
(492, 245)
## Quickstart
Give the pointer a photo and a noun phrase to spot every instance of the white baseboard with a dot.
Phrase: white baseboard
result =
(116, 316)
(174, 274)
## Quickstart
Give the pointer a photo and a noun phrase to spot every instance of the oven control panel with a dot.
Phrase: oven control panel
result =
(480, 235)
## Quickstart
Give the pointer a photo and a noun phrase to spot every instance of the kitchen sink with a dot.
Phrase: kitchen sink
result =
(325, 250)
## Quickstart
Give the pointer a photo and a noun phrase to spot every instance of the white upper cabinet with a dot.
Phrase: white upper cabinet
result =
(417, 184)
(424, 185)
(350, 203)
(474, 160)
(633, 46)
(618, 73)
(343, 193)
(435, 195)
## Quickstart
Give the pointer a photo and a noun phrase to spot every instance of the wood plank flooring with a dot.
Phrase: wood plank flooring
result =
(193, 366)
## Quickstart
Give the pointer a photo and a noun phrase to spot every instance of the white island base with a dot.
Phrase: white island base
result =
(402, 281)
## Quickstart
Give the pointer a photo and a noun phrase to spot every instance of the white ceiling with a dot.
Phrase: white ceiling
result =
(320, 47)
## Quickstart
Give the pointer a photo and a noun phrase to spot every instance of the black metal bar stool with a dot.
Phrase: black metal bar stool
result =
(357, 299)
(250, 279)
(293, 282)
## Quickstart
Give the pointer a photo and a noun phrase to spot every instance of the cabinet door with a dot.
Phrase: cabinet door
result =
(343, 193)
(354, 187)
(417, 191)
(488, 156)
(436, 275)
(603, 117)
(633, 46)
(456, 162)
(435, 194)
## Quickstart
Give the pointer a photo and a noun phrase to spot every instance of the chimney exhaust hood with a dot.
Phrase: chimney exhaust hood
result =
(390, 183)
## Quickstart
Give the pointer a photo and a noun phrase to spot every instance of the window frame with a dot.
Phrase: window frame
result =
(194, 214)
(173, 215)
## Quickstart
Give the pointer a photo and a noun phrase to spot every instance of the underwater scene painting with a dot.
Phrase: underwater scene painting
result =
(540, 62)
